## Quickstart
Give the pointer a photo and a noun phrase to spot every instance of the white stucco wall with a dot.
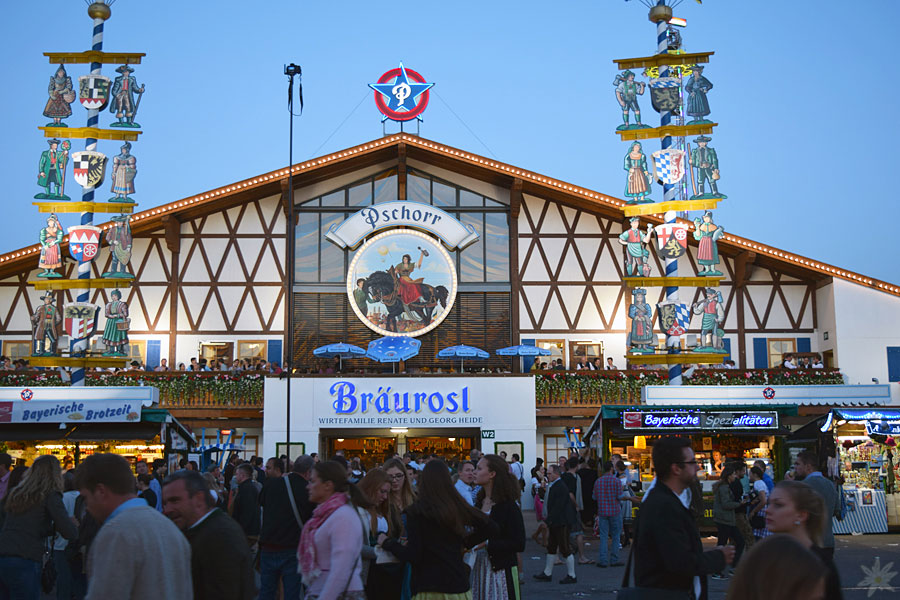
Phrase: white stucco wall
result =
(867, 322)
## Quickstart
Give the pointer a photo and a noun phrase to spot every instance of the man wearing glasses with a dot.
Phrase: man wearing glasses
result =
(669, 553)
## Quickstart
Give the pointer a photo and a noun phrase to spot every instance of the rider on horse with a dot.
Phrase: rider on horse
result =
(410, 289)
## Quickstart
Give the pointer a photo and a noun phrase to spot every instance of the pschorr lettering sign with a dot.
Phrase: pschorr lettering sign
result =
(699, 420)
(351, 232)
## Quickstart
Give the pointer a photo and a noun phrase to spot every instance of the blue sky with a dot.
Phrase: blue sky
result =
(802, 94)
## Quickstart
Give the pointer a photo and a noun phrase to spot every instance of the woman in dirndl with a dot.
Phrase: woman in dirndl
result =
(51, 238)
(115, 333)
(495, 576)
(61, 96)
(638, 185)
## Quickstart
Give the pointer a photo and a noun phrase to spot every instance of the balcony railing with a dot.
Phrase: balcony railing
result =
(595, 388)
(245, 389)
(177, 389)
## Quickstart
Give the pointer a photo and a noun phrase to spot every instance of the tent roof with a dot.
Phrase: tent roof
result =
(440, 155)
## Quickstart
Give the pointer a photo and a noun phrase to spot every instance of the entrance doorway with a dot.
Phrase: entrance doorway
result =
(449, 448)
(373, 447)
(372, 451)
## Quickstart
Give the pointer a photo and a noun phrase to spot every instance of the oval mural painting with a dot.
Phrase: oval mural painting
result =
(402, 282)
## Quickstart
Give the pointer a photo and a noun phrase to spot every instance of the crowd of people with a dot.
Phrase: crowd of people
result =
(304, 529)
(749, 510)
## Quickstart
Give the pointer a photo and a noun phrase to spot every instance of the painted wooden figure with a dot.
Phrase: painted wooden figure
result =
(636, 253)
(712, 308)
(705, 160)
(46, 327)
(124, 170)
(708, 234)
(52, 171)
(119, 239)
(638, 183)
(627, 91)
(62, 95)
(641, 338)
(697, 87)
(123, 102)
(115, 332)
(51, 256)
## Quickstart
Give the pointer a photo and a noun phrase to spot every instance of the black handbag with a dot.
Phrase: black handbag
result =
(48, 571)
(645, 593)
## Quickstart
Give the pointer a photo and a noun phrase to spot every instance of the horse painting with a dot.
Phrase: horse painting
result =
(384, 287)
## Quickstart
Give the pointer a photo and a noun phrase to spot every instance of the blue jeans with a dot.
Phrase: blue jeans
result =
(274, 566)
(609, 527)
(20, 578)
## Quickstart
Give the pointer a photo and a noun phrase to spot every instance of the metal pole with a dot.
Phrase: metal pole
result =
(669, 193)
(291, 70)
(87, 218)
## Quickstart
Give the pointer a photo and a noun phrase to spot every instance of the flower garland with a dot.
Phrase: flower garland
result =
(222, 388)
(625, 386)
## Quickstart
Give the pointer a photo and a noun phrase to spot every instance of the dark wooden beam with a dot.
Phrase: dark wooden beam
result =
(515, 205)
(401, 171)
(743, 268)
(172, 233)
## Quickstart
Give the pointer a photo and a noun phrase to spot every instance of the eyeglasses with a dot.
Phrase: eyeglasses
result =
(687, 462)
(396, 476)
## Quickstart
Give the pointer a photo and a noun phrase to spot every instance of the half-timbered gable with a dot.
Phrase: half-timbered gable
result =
(210, 268)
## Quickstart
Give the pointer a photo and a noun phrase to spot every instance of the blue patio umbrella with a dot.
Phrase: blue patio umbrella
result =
(462, 353)
(339, 350)
(523, 350)
(393, 349)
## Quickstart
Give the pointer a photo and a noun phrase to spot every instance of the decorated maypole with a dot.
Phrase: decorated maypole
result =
(79, 319)
(667, 69)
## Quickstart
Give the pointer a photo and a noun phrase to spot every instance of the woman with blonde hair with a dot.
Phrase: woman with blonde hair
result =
(29, 514)
(778, 567)
(798, 510)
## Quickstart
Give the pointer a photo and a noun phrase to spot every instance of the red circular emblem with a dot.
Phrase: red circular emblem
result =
(680, 234)
(421, 101)
(26, 395)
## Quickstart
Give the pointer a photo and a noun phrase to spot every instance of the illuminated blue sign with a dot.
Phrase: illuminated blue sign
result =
(348, 401)
(700, 420)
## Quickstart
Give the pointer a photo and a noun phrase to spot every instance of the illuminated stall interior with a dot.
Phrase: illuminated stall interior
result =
(375, 446)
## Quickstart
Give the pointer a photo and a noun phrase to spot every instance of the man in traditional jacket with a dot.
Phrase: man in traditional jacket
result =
(704, 159)
(52, 170)
(47, 324)
(122, 95)
(119, 239)
(635, 242)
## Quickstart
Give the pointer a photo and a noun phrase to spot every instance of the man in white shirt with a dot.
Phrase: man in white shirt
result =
(517, 469)
(789, 362)
(465, 481)
(610, 366)
(817, 363)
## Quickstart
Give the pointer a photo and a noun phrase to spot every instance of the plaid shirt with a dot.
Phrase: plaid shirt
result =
(607, 492)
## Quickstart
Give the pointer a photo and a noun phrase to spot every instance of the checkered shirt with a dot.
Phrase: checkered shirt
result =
(607, 493)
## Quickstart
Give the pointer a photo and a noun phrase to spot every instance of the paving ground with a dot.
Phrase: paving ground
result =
(853, 552)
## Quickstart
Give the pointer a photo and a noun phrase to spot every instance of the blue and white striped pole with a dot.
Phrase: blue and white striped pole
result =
(87, 218)
(669, 194)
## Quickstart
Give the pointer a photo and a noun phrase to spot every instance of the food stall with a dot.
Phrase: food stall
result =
(74, 422)
(865, 455)
(719, 435)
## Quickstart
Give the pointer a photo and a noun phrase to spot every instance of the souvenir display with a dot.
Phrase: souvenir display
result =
(123, 102)
(115, 332)
(52, 171)
(118, 237)
(61, 97)
(713, 310)
(46, 327)
(641, 338)
(636, 254)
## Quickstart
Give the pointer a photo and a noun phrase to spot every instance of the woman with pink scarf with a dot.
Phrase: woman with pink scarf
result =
(331, 542)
